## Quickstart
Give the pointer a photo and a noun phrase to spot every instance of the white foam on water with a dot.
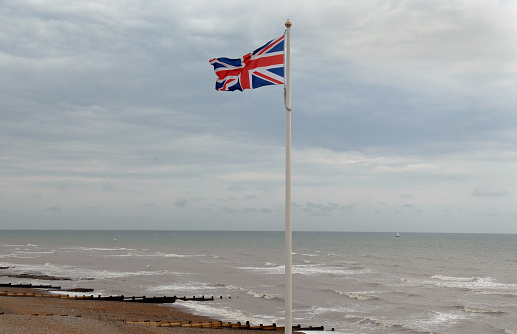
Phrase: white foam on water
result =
(441, 318)
(429, 320)
(106, 274)
(266, 270)
(17, 256)
(455, 279)
(309, 255)
(181, 288)
(263, 295)
(82, 273)
(478, 284)
(354, 295)
(271, 264)
(335, 331)
(171, 255)
(223, 313)
(470, 309)
(35, 252)
(398, 325)
(54, 266)
(46, 268)
(100, 249)
(120, 255)
(501, 291)
(309, 270)
(74, 294)
(5, 256)
(183, 255)
(319, 310)
(373, 321)
(317, 270)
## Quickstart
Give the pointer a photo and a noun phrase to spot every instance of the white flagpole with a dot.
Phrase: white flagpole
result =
(288, 228)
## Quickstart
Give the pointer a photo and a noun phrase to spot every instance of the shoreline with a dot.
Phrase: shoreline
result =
(24, 314)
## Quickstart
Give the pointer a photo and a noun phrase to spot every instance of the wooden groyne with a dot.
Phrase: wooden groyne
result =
(137, 299)
(220, 324)
(122, 298)
(159, 299)
(190, 324)
(30, 286)
(197, 299)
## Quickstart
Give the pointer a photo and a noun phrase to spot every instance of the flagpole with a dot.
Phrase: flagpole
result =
(288, 212)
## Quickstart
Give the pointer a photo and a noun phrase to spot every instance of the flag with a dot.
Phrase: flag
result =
(262, 67)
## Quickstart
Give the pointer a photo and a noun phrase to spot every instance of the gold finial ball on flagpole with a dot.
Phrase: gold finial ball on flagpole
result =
(288, 24)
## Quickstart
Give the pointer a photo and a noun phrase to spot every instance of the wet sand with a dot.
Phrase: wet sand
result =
(26, 315)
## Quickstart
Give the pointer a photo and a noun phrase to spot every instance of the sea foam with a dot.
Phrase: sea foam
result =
(358, 296)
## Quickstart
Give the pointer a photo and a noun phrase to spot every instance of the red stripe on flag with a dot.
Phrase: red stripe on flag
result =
(262, 75)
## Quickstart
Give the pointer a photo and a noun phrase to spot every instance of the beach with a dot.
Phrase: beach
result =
(69, 316)
(371, 283)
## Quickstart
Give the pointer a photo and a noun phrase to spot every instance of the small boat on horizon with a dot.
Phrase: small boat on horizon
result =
(397, 235)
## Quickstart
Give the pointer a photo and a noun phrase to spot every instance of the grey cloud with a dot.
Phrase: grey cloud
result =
(181, 202)
(100, 94)
(326, 208)
(108, 187)
(490, 191)
(236, 187)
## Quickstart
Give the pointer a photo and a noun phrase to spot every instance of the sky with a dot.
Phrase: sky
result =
(404, 116)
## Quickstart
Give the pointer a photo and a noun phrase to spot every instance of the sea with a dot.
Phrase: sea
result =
(349, 282)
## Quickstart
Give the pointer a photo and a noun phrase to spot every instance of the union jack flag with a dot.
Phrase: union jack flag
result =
(262, 67)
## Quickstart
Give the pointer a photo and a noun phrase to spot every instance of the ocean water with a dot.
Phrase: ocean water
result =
(352, 282)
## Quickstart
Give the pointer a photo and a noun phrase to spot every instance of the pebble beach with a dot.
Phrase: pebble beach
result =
(27, 315)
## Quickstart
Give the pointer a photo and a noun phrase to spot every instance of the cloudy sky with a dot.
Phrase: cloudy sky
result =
(404, 116)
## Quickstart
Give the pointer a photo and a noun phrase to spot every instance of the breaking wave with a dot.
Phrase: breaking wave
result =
(271, 264)
(456, 279)
(479, 284)
(372, 321)
(226, 314)
(353, 295)
(470, 309)
(383, 323)
(263, 295)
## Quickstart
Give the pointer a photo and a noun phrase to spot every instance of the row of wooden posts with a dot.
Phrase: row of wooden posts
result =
(137, 299)
(220, 324)
(217, 324)
(144, 299)
(30, 286)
